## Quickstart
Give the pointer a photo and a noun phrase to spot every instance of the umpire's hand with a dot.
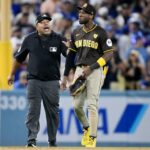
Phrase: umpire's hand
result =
(10, 79)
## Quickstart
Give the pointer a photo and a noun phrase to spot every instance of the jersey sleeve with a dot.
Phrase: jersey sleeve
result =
(105, 42)
(63, 47)
(70, 62)
(70, 59)
(21, 54)
(72, 46)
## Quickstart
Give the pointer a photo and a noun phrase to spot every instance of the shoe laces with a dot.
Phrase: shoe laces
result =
(91, 140)
(33, 145)
(85, 132)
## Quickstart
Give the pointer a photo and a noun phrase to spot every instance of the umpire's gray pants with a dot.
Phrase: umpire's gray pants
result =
(48, 91)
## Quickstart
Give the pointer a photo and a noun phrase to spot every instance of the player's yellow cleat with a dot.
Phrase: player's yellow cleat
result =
(85, 138)
(91, 142)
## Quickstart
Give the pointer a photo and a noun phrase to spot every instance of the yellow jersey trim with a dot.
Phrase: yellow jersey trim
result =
(72, 49)
(109, 50)
(89, 30)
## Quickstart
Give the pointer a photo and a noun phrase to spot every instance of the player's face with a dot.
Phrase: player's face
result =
(43, 27)
(83, 17)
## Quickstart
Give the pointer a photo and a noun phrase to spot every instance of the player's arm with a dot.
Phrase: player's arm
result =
(64, 46)
(99, 63)
(19, 56)
(70, 59)
(108, 50)
(102, 60)
(70, 62)
(68, 66)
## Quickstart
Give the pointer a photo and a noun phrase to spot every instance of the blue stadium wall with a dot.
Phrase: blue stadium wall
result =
(123, 120)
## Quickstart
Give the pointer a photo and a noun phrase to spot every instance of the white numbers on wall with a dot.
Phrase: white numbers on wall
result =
(13, 102)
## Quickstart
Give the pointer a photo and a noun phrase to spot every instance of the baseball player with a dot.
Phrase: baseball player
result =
(90, 49)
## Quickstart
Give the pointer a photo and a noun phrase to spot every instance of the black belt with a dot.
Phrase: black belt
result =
(82, 65)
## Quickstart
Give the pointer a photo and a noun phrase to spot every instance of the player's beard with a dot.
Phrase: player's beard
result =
(83, 21)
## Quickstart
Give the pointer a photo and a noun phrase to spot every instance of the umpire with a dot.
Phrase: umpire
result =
(44, 48)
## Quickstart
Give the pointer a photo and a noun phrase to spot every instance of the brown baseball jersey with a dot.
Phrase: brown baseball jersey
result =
(87, 47)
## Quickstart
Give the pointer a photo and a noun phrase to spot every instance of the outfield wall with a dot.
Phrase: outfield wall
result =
(124, 118)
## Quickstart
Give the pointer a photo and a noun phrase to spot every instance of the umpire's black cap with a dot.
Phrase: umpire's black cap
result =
(43, 16)
(88, 9)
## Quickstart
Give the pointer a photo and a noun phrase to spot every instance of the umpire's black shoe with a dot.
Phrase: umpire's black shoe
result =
(52, 144)
(31, 143)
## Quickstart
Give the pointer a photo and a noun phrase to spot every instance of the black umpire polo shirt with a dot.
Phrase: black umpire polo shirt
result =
(44, 56)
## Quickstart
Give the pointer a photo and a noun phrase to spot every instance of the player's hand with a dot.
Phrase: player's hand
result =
(10, 79)
(87, 71)
(63, 84)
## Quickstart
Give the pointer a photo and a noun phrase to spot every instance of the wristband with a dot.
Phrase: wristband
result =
(101, 61)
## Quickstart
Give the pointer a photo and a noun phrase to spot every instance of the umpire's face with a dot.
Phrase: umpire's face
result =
(43, 27)
(84, 17)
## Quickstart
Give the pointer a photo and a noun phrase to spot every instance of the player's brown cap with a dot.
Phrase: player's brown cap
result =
(88, 9)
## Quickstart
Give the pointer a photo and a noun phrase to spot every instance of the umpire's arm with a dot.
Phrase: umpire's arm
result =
(19, 56)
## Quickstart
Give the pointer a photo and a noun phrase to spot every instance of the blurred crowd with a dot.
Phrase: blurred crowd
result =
(127, 23)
